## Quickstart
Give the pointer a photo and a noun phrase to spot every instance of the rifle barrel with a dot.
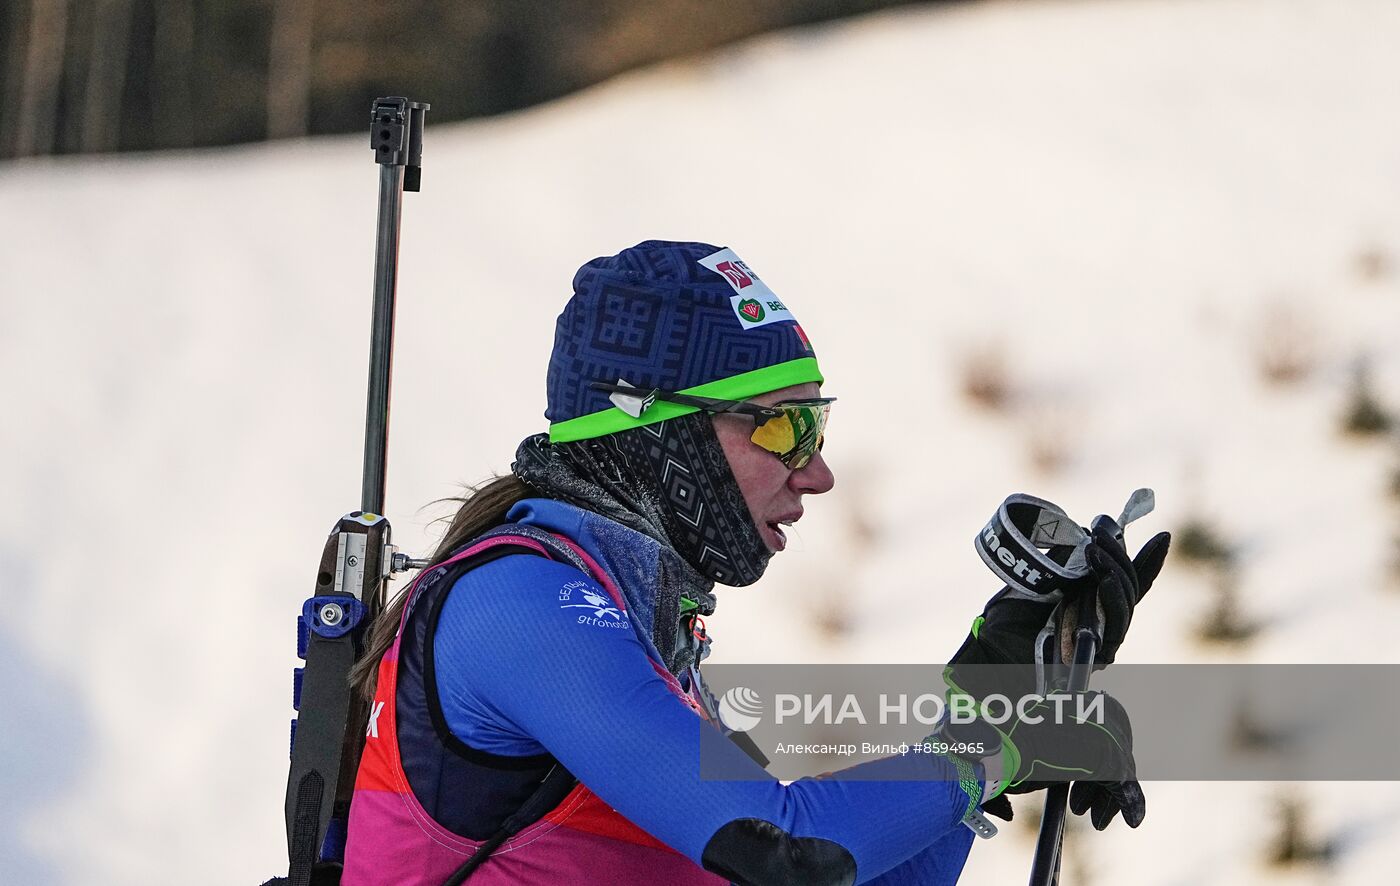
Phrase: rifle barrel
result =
(381, 344)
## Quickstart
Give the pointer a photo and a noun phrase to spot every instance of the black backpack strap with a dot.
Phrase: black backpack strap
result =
(558, 782)
(434, 700)
(552, 790)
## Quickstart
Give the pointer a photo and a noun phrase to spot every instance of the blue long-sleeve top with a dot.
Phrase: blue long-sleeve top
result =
(521, 673)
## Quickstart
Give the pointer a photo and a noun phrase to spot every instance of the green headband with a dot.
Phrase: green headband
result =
(735, 387)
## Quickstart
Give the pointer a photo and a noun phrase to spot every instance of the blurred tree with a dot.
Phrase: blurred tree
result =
(75, 65)
(40, 76)
(289, 68)
(172, 60)
(104, 75)
(1364, 416)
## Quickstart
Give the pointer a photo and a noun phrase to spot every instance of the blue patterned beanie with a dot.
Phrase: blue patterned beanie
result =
(686, 317)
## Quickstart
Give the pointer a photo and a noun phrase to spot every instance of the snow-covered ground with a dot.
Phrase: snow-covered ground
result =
(1117, 196)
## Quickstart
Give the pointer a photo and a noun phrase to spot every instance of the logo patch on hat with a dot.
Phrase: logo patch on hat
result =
(750, 311)
(734, 274)
(753, 302)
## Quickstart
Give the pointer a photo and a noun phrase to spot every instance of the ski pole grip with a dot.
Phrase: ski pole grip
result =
(1103, 521)
(1087, 623)
(1033, 546)
(1045, 867)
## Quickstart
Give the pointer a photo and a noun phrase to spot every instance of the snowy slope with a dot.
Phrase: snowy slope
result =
(1112, 193)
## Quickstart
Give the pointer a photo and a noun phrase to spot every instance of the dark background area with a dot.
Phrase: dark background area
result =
(92, 76)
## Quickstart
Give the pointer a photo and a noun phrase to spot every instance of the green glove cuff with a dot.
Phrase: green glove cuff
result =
(1010, 765)
(972, 786)
(969, 782)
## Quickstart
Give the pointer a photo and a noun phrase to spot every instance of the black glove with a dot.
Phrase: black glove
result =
(1000, 806)
(1011, 623)
(1101, 751)
(1008, 631)
(1107, 799)
(1118, 585)
(1103, 799)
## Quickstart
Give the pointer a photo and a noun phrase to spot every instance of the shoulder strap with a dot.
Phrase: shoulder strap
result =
(558, 781)
(430, 684)
(552, 790)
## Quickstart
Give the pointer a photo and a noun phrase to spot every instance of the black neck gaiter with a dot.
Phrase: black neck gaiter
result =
(670, 480)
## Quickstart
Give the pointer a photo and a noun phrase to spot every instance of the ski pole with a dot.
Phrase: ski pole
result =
(1045, 869)
(327, 735)
(1017, 545)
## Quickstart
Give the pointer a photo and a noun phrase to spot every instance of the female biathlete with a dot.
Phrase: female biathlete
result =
(537, 712)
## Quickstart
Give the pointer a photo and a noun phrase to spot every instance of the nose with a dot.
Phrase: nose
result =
(813, 478)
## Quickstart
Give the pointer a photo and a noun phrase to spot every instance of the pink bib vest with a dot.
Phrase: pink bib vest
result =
(393, 841)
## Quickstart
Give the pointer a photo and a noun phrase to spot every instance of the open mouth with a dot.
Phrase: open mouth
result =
(775, 528)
